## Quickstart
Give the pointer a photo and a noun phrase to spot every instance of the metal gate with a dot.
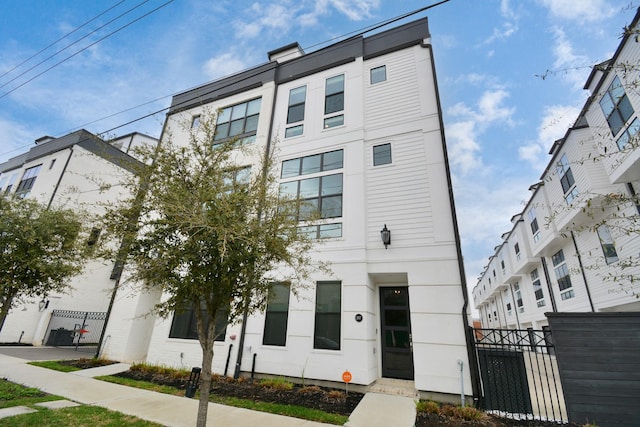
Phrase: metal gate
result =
(519, 373)
(74, 328)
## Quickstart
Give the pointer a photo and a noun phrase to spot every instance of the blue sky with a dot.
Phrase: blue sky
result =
(510, 75)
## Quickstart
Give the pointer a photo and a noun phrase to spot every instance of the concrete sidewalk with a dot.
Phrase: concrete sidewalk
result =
(375, 410)
(161, 408)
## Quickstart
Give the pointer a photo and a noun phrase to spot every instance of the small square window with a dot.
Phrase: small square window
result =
(378, 74)
(195, 123)
(382, 154)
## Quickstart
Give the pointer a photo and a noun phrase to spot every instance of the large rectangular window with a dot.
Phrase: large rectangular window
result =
(629, 135)
(276, 316)
(319, 196)
(326, 333)
(533, 222)
(518, 297)
(562, 275)
(537, 288)
(606, 242)
(334, 101)
(563, 170)
(28, 179)
(616, 106)
(238, 121)
(184, 325)
(295, 112)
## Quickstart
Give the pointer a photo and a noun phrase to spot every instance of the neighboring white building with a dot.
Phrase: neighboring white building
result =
(573, 244)
(360, 133)
(70, 172)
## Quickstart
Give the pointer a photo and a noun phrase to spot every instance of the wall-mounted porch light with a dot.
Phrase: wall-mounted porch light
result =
(385, 234)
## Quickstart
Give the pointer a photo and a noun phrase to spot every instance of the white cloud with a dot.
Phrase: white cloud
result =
(573, 68)
(223, 65)
(508, 29)
(555, 121)
(468, 124)
(580, 11)
(16, 138)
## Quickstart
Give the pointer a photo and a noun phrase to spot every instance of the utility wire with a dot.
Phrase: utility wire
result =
(62, 38)
(358, 33)
(68, 46)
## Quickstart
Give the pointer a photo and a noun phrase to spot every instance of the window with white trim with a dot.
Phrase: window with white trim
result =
(334, 102)
(616, 106)
(238, 121)
(276, 315)
(518, 297)
(381, 154)
(295, 112)
(516, 248)
(326, 332)
(378, 74)
(629, 135)
(562, 275)
(607, 244)
(563, 170)
(320, 195)
(537, 288)
(28, 179)
(533, 223)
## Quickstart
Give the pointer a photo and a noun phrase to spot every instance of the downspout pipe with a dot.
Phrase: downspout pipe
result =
(584, 276)
(468, 330)
(245, 312)
(64, 170)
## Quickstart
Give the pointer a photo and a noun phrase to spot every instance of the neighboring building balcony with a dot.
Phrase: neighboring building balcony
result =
(624, 166)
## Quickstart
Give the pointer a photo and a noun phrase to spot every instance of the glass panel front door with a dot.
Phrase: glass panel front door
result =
(397, 351)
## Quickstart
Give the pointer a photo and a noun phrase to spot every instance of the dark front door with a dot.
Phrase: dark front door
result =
(397, 351)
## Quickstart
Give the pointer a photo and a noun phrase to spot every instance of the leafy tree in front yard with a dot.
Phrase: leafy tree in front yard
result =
(210, 233)
(39, 251)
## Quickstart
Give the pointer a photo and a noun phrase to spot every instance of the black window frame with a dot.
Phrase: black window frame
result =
(334, 102)
(274, 334)
(184, 324)
(223, 131)
(28, 179)
(382, 154)
(327, 329)
(616, 107)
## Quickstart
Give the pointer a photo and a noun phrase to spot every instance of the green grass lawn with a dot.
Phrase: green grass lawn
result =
(55, 365)
(12, 394)
(273, 408)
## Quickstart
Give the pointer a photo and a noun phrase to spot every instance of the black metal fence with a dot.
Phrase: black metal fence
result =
(74, 328)
(519, 375)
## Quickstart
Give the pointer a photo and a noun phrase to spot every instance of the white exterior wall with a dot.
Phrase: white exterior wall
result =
(410, 195)
(72, 182)
(599, 168)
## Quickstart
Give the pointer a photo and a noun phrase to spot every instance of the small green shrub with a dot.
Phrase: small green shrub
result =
(428, 406)
(277, 383)
(467, 413)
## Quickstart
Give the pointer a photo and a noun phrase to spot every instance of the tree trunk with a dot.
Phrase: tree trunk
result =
(205, 376)
(6, 300)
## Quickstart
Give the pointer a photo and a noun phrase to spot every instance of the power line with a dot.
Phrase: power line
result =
(235, 82)
(68, 46)
(62, 38)
(358, 33)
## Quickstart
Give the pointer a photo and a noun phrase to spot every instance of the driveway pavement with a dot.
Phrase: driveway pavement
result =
(48, 353)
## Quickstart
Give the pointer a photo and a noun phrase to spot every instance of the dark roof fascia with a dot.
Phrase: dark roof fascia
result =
(614, 58)
(82, 138)
(398, 38)
(13, 163)
(343, 52)
(110, 153)
(225, 87)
